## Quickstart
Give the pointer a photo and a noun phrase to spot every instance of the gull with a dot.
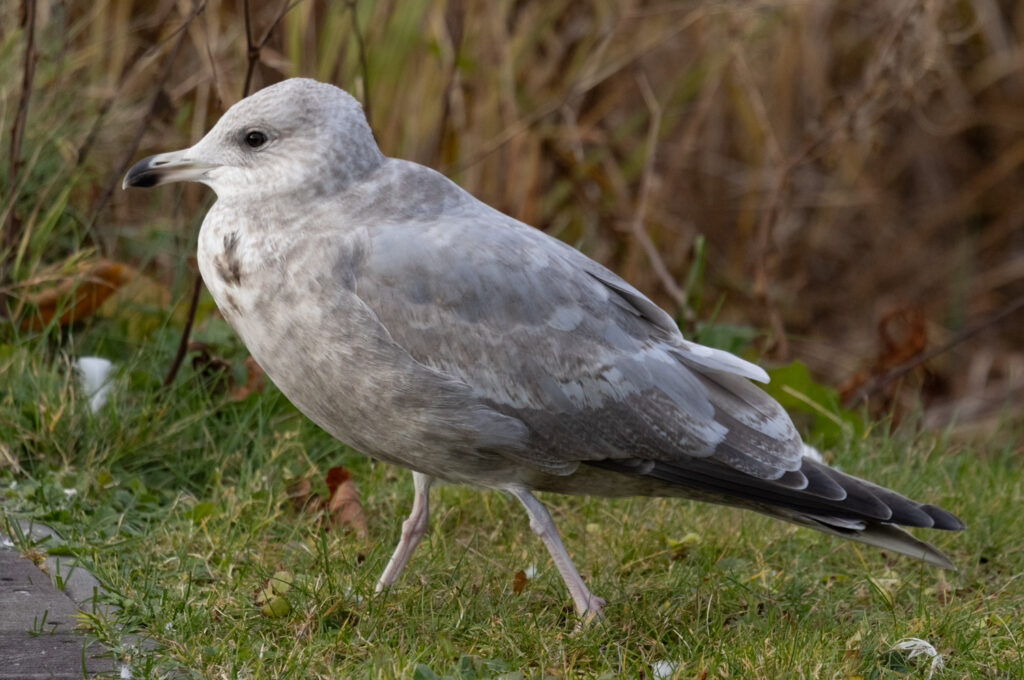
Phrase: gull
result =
(426, 329)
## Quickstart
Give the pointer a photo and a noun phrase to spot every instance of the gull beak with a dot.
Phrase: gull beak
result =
(174, 166)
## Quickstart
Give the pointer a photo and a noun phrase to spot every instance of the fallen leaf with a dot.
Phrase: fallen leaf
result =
(903, 335)
(214, 371)
(343, 505)
(71, 291)
(519, 581)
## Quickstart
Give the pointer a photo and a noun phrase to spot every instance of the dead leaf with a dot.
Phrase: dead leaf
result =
(902, 336)
(214, 371)
(74, 291)
(519, 581)
(343, 506)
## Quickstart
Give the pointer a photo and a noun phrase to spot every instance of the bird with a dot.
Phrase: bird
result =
(426, 329)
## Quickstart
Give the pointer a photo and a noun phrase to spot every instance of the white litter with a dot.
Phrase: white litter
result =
(94, 376)
(663, 670)
(917, 647)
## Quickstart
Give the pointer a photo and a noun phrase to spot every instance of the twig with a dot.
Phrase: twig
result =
(647, 178)
(253, 48)
(253, 55)
(352, 4)
(872, 387)
(28, 22)
(179, 355)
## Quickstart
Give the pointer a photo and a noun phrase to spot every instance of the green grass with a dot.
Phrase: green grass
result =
(180, 504)
(181, 511)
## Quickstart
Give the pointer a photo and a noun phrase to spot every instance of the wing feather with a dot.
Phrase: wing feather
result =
(544, 334)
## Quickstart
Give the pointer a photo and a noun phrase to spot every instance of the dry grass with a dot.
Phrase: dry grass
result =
(844, 161)
(845, 176)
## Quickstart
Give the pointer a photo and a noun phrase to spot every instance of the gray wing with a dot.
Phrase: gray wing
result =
(544, 334)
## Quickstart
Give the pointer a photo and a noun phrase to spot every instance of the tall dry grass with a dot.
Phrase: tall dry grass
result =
(855, 169)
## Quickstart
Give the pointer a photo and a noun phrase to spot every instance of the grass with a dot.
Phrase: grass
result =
(906, 199)
(181, 509)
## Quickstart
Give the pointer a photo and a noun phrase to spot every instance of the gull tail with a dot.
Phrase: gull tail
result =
(816, 496)
(878, 534)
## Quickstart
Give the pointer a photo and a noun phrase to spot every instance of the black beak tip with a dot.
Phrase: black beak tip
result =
(141, 175)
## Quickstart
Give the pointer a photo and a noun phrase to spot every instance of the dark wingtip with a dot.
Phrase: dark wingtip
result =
(943, 519)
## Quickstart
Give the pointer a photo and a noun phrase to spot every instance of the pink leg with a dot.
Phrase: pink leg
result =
(588, 605)
(412, 530)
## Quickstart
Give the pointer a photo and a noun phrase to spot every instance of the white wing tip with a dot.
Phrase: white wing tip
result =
(720, 360)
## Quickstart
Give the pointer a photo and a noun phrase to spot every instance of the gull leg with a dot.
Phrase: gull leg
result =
(588, 605)
(412, 530)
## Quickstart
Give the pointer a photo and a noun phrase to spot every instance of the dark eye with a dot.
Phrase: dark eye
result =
(255, 139)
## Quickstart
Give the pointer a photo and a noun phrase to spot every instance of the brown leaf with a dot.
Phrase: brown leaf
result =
(519, 581)
(343, 506)
(214, 371)
(903, 334)
(76, 294)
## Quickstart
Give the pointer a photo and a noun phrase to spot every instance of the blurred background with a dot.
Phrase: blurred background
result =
(839, 184)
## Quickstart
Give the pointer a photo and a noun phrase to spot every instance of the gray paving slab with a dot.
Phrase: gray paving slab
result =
(38, 636)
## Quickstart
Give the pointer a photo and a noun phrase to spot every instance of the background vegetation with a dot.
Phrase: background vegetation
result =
(833, 182)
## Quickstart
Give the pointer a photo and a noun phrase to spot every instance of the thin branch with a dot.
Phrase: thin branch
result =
(28, 23)
(252, 51)
(179, 355)
(253, 56)
(253, 48)
(874, 386)
(286, 7)
(647, 179)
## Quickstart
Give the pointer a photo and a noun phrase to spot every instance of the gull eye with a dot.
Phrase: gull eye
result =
(255, 139)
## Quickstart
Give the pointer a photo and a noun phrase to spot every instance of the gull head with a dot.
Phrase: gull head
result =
(299, 136)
